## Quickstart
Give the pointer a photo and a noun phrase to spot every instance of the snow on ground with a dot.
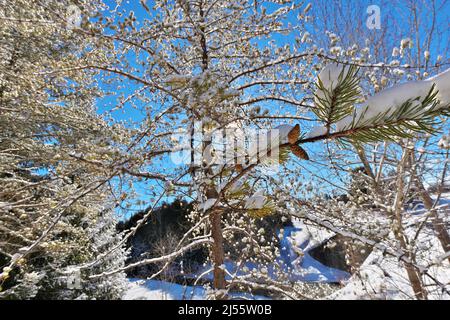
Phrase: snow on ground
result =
(380, 277)
(294, 259)
(315, 234)
(295, 242)
(384, 277)
(161, 290)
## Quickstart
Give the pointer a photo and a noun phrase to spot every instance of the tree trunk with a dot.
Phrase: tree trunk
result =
(218, 253)
(413, 274)
(215, 219)
(362, 156)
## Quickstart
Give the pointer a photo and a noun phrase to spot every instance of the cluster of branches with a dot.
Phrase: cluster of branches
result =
(190, 62)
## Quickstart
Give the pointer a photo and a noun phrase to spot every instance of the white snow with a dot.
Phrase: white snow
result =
(442, 81)
(161, 290)
(390, 99)
(329, 76)
(207, 204)
(294, 259)
(316, 234)
(317, 131)
(383, 276)
(256, 201)
(280, 133)
(295, 243)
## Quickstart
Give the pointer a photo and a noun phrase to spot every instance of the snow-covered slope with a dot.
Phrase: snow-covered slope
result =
(294, 259)
(384, 277)
(299, 265)
(162, 290)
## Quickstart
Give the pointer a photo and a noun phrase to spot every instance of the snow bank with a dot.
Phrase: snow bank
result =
(384, 277)
(162, 290)
(295, 243)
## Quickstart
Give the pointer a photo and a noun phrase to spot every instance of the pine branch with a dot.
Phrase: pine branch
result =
(334, 104)
(404, 122)
(413, 116)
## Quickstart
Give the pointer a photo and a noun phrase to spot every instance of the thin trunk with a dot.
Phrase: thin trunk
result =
(218, 253)
(362, 156)
(413, 275)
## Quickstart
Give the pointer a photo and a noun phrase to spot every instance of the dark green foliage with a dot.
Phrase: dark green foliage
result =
(169, 220)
